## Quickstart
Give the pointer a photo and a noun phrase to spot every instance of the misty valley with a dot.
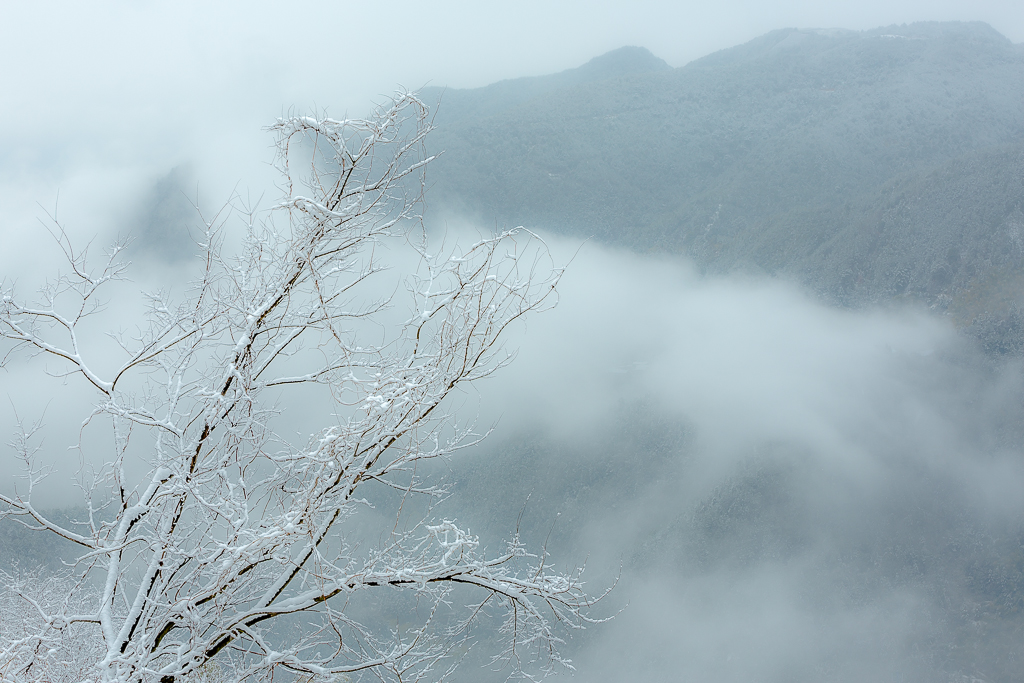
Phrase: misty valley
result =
(623, 373)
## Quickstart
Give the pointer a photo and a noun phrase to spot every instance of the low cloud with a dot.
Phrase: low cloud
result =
(785, 490)
(790, 491)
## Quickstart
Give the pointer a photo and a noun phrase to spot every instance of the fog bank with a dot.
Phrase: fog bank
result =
(792, 492)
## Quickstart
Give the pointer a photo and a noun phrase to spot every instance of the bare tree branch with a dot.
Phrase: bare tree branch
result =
(236, 526)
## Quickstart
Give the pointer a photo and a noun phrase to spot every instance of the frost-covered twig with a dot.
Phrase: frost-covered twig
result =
(236, 526)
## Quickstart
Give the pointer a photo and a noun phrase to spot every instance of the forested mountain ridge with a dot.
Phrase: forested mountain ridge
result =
(779, 490)
(496, 98)
(868, 165)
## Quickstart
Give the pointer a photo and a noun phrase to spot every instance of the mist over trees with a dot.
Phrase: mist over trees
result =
(185, 570)
(868, 166)
(780, 404)
(876, 168)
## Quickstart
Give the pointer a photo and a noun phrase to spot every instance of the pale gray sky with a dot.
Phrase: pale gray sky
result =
(100, 100)
(100, 97)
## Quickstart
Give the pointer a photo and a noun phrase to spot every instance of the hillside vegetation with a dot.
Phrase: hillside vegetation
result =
(869, 166)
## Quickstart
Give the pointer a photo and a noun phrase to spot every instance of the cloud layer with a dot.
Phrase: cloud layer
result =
(793, 492)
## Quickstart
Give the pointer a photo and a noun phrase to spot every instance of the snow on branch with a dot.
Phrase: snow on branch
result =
(237, 526)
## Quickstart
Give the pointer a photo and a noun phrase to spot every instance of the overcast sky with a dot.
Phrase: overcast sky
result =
(99, 101)
(146, 83)
(101, 98)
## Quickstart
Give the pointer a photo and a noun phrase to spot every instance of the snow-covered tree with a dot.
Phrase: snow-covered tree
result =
(34, 644)
(243, 549)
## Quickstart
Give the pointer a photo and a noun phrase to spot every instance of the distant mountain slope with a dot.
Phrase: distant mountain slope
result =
(868, 165)
(459, 105)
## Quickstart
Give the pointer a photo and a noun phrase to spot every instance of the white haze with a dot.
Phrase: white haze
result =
(883, 429)
(806, 472)
(100, 100)
(850, 436)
